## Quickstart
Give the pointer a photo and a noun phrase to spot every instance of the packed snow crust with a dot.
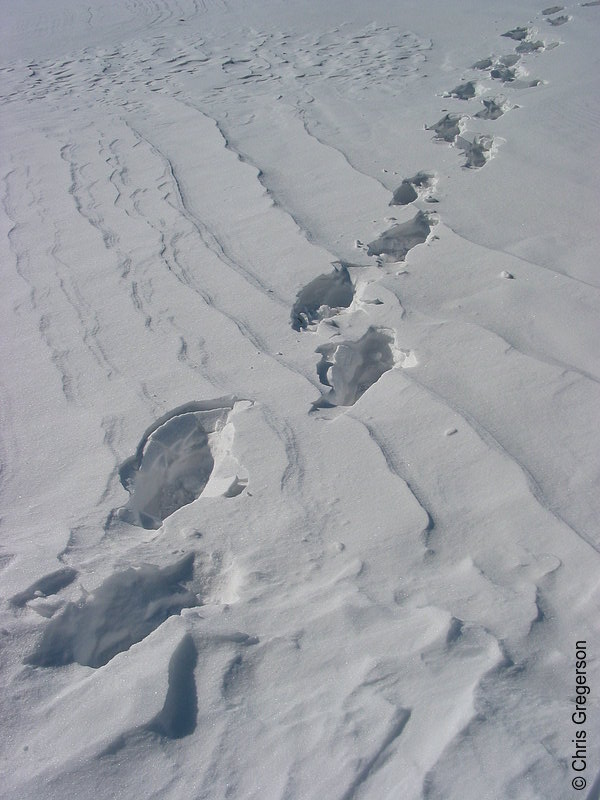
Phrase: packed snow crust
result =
(299, 443)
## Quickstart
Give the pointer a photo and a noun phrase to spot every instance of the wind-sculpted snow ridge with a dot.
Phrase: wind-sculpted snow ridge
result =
(127, 607)
(389, 611)
(323, 297)
(175, 461)
(350, 368)
(395, 243)
(350, 55)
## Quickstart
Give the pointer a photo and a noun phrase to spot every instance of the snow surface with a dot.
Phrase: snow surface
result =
(299, 398)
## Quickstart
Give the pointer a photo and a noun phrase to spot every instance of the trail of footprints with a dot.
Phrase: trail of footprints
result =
(348, 368)
(510, 71)
(187, 453)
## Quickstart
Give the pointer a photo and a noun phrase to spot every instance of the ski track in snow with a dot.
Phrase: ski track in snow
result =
(193, 287)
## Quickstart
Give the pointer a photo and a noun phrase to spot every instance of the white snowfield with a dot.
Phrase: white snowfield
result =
(299, 397)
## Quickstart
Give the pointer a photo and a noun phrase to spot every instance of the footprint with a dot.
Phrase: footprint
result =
(503, 68)
(504, 74)
(404, 194)
(530, 47)
(478, 152)
(395, 243)
(559, 20)
(518, 34)
(122, 611)
(49, 584)
(485, 63)
(407, 192)
(447, 128)
(509, 60)
(175, 461)
(552, 10)
(591, 3)
(492, 110)
(350, 368)
(465, 91)
(323, 297)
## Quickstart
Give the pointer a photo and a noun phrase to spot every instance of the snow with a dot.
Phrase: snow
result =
(299, 453)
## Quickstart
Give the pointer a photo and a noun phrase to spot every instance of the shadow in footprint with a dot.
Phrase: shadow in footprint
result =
(447, 128)
(177, 718)
(406, 193)
(492, 110)
(323, 297)
(478, 152)
(530, 47)
(125, 609)
(173, 463)
(49, 584)
(504, 74)
(518, 34)
(350, 368)
(463, 92)
(395, 243)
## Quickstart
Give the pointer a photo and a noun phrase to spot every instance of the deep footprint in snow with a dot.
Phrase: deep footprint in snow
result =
(552, 10)
(350, 368)
(395, 243)
(559, 20)
(407, 191)
(404, 194)
(503, 68)
(447, 128)
(504, 74)
(175, 461)
(323, 297)
(122, 611)
(465, 91)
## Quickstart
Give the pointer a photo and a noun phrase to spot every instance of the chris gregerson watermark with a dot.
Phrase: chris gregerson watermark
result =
(579, 717)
